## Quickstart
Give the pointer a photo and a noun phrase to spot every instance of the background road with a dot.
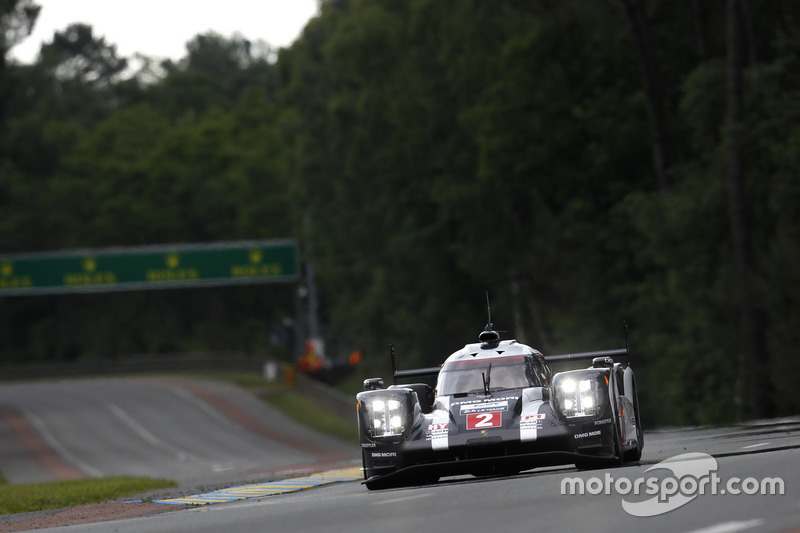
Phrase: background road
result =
(181, 429)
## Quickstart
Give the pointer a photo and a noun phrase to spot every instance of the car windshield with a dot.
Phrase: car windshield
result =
(464, 377)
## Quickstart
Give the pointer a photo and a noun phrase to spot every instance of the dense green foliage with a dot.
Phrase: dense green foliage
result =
(575, 159)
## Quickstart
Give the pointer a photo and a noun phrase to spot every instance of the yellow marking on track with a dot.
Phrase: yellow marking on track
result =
(270, 488)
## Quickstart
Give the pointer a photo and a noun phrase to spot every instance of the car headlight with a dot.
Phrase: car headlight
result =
(578, 397)
(385, 414)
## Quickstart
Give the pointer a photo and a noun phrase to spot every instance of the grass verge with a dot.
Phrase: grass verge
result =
(292, 404)
(57, 494)
(308, 413)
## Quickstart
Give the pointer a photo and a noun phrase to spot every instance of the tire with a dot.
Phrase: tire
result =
(364, 464)
(636, 453)
(370, 472)
(615, 461)
(620, 457)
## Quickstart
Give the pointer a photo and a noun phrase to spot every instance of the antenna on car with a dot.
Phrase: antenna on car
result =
(489, 325)
(489, 336)
(393, 357)
(627, 346)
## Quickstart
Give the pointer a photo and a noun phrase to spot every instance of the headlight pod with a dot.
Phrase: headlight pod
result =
(386, 413)
(579, 395)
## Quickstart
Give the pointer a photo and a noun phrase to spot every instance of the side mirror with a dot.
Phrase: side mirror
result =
(373, 383)
(602, 362)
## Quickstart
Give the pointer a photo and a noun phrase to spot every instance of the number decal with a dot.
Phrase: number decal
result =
(484, 420)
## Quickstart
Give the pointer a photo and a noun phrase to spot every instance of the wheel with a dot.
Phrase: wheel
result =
(636, 453)
(364, 464)
(620, 457)
(371, 472)
(606, 462)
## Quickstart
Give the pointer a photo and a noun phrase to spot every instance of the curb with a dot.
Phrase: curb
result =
(270, 488)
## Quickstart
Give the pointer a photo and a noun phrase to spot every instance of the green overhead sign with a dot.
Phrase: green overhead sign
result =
(150, 267)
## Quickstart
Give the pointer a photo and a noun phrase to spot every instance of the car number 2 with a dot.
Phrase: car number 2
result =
(484, 420)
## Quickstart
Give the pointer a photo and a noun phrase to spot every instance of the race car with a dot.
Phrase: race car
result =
(498, 409)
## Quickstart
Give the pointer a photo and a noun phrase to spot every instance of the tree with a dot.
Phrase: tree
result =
(653, 84)
(77, 55)
(17, 19)
(215, 73)
(440, 149)
(755, 367)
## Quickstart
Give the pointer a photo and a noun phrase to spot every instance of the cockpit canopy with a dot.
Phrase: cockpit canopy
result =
(498, 373)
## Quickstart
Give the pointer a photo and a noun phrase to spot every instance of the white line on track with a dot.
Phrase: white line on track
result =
(730, 527)
(406, 498)
(145, 434)
(203, 406)
(140, 430)
(58, 447)
(756, 445)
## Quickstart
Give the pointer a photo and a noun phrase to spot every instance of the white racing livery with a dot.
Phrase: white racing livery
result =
(498, 409)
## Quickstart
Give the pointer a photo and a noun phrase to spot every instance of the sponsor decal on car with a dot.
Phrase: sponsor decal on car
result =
(537, 416)
(484, 407)
(587, 434)
(384, 454)
(530, 422)
(437, 431)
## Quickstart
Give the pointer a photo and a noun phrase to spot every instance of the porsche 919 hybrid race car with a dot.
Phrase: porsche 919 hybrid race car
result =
(498, 409)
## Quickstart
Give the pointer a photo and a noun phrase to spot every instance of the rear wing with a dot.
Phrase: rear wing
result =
(619, 353)
(622, 353)
(433, 371)
(413, 373)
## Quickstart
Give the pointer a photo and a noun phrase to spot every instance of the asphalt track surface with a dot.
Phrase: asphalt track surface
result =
(188, 430)
(743, 457)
